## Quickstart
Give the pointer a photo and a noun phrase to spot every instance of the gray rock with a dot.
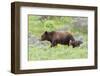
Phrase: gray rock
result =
(80, 21)
(33, 40)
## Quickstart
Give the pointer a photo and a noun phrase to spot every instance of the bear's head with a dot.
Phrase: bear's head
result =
(44, 36)
(47, 36)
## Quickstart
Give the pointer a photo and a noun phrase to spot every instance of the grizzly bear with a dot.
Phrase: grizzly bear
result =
(58, 37)
(75, 43)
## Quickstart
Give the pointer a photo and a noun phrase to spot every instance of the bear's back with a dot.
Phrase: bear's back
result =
(61, 35)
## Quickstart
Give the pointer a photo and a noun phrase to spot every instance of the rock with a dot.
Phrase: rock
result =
(33, 40)
(80, 21)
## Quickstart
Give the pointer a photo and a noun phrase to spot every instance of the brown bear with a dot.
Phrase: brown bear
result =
(56, 37)
(75, 43)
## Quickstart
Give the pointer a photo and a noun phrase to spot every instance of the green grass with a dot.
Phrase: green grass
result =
(38, 26)
(58, 52)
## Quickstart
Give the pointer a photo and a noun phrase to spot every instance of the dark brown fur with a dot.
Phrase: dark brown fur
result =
(57, 37)
(75, 43)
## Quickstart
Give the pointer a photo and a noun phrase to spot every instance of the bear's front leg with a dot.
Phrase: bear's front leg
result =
(53, 43)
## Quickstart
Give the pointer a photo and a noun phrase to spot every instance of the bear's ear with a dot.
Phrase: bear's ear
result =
(46, 32)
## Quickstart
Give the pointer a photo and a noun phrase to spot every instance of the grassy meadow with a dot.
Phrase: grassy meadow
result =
(41, 50)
